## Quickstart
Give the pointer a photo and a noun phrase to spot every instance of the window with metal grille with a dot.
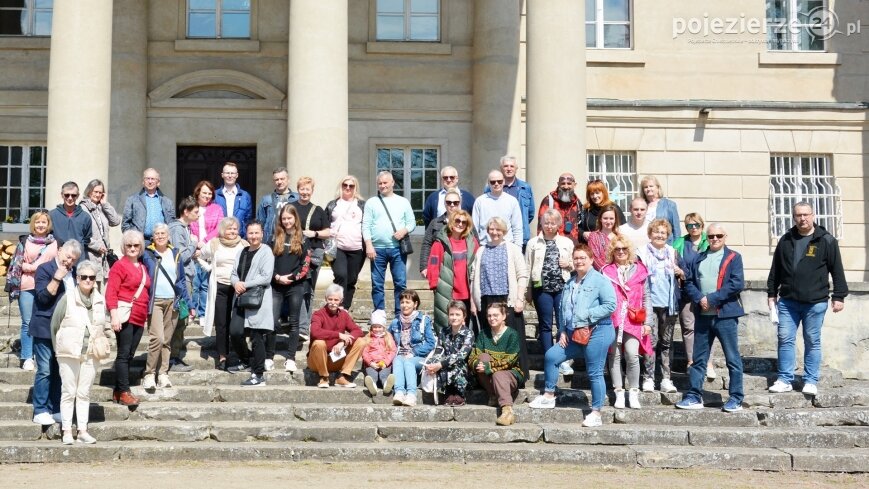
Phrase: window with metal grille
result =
(415, 170)
(608, 24)
(798, 25)
(218, 19)
(408, 20)
(798, 178)
(22, 182)
(25, 17)
(618, 171)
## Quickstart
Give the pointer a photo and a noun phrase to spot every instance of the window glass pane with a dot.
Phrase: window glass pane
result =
(202, 5)
(4, 156)
(415, 159)
(15, 201)
(34, 199)
(431, 179)
(382, 159)
(398, 175)
(17, 153)
(590, 35)
(390, 27)
(590, 10)
(44, 3)
(616, 10)
(236, 4)
(776, 10)
(15, 177)
(236, 25)
(201, 25)
(4, 200)
(13, 22)
(397, 158)
(424, 6)
(416, 179)
(805, 7)
(390, 6)
(431, 160)
(35, 176)
(616, 36)
(4, 177)
(809, 40)
(42, 23)
(35, 156)
(424, 28)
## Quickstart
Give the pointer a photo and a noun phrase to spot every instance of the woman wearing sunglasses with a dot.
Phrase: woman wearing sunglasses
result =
(345, 213)
(449, 264)
(452, 203)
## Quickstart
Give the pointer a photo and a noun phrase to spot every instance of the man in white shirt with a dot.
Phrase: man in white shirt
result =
(234, 201)
(496, 202)
(636, 229)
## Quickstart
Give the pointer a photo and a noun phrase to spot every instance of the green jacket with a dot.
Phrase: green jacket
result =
(443, 291)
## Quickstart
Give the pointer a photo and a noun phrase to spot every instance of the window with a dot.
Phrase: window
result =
(797, 178)
(218, 19)
(608, 24)
(22, 181)
(408, 20)
(798, 25)
(25, 17)
(415, 170)
(618, 172)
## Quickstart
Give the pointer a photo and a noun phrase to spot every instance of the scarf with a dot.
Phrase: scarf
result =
(409, 318)
(44, 241)
(230, 243)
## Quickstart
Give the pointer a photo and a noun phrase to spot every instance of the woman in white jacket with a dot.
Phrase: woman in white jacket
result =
(78, 322)
(499, 274)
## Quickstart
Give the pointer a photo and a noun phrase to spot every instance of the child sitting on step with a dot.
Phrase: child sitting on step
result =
(378, 355)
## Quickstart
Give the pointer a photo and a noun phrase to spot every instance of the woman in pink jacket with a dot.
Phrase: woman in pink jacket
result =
(202, 231)
(378, 355)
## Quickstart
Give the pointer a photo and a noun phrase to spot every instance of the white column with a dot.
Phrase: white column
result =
(317, 133)
(556, 99)
(496, 65)
(79, 94)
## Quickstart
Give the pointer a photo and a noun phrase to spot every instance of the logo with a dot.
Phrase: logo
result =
(810, 251)
(823, 24)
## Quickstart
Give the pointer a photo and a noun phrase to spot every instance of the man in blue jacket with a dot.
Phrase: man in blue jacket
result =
(713, 280)
(69, 220)
(232, 199)
(521, 190)
(271, 204)
(148, 207)
(434, 203)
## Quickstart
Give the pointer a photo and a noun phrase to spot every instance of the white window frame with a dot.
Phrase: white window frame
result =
(218, 20)
(404, 187)
(23, 204)
(407, 14)
(618, 171)
(792, 28)
(31, 9)
(598, 23)
(803, 177)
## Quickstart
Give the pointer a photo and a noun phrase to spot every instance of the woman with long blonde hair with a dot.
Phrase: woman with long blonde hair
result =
(290, 280)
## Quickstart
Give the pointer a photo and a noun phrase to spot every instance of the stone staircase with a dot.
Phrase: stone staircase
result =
(208, 416)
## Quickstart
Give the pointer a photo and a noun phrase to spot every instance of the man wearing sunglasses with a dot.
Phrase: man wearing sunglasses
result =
(798, 289)
(497, 203)
(69, 220)
(567, 203)
(713, 281)
(434, 203)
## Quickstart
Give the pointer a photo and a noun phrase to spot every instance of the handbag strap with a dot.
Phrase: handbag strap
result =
(387, 212)
(165, 273)
(141, 286)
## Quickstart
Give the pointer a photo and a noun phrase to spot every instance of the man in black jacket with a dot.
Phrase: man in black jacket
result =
(798, 289)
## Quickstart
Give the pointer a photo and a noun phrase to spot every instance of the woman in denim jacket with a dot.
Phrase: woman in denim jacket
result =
(414, 336)
(588, 300)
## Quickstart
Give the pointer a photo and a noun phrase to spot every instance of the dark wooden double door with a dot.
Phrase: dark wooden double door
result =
(197, 163)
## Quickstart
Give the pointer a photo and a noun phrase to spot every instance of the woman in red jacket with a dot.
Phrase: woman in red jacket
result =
(127, 301)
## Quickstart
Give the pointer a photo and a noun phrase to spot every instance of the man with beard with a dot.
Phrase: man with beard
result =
(567, 203)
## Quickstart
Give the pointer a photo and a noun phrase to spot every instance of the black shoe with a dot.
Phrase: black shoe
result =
(240, 367)
(178, 365)
(254, 381)
(221, 365)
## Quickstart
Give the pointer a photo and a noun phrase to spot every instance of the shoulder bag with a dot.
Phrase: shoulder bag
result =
(125, 308)
(405, 247)
(252, 298)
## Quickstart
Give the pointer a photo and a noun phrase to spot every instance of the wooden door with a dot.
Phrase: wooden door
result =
(197, 163)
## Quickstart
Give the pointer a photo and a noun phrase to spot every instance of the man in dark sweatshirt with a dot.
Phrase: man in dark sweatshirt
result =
(69, 220)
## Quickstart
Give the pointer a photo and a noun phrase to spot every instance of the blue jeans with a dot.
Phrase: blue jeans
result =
(790, 315)
(398, 265)
(25, 306)
(405, 371)
(706, 329)
(46, 384)
(595, 359)
(547, 304)
(199, 296)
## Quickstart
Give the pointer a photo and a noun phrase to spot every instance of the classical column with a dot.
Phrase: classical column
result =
(317, 133)
(79, 94)
(556, 98)
(496, 66)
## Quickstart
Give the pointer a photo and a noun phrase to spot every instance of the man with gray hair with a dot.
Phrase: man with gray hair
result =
(798, 289)
(434, 203)
(497, 203)
(336, 341)
(53, 279)
(148, 207)
(69, 220)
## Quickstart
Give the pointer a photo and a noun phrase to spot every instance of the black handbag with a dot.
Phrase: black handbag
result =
(252, 298)
(111, 258)
(405, 247)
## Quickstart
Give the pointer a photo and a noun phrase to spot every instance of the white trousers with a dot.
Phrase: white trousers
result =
(76, 377)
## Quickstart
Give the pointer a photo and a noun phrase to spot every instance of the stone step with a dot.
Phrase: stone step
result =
(634, 456)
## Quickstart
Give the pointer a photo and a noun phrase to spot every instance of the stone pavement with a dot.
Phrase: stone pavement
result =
(208, 416)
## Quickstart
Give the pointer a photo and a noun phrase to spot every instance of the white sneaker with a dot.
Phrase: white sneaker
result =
(667, 386)
(270, 365)
(542, 402)
(710, 372)
(409, 400)
(68, 439)
(148, 382)
(810, 389)
(620, 399)
(592, 420)
(634, 398)
(398, 399)
(164, 381)
(28, 366)
(202, 321)
(649, 385)
(290, 366)
(86, 438)
(564, 368)
(45, 419)
(778, 387)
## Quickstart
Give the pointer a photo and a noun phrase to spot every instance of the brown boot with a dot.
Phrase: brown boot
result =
(128, 399)
(506, 418)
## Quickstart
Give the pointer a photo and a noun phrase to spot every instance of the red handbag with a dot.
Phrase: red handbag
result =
(637, 315)
(581, 335)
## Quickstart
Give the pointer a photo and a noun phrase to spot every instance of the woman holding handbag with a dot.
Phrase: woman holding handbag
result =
(127, 300)
(103, 216)
(79, 336)
(632, 318)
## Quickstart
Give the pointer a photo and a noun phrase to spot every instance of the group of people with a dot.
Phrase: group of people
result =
(613, 288)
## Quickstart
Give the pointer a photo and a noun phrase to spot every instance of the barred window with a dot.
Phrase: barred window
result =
(26, 17)
(22, 181)
(408, 20)
(809, 178)
(415, 170)
(618, 171)
(798, 25)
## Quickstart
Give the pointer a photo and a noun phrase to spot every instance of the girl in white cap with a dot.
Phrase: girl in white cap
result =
(378, 355)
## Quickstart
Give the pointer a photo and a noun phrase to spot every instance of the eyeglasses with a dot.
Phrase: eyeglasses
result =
(348, 185)
(716, 236)
(692, 225)
(496, 182)
(132, 245)
(450, 177)
(70, 196)
(620, 249)
(452, 203)
(87, 277)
